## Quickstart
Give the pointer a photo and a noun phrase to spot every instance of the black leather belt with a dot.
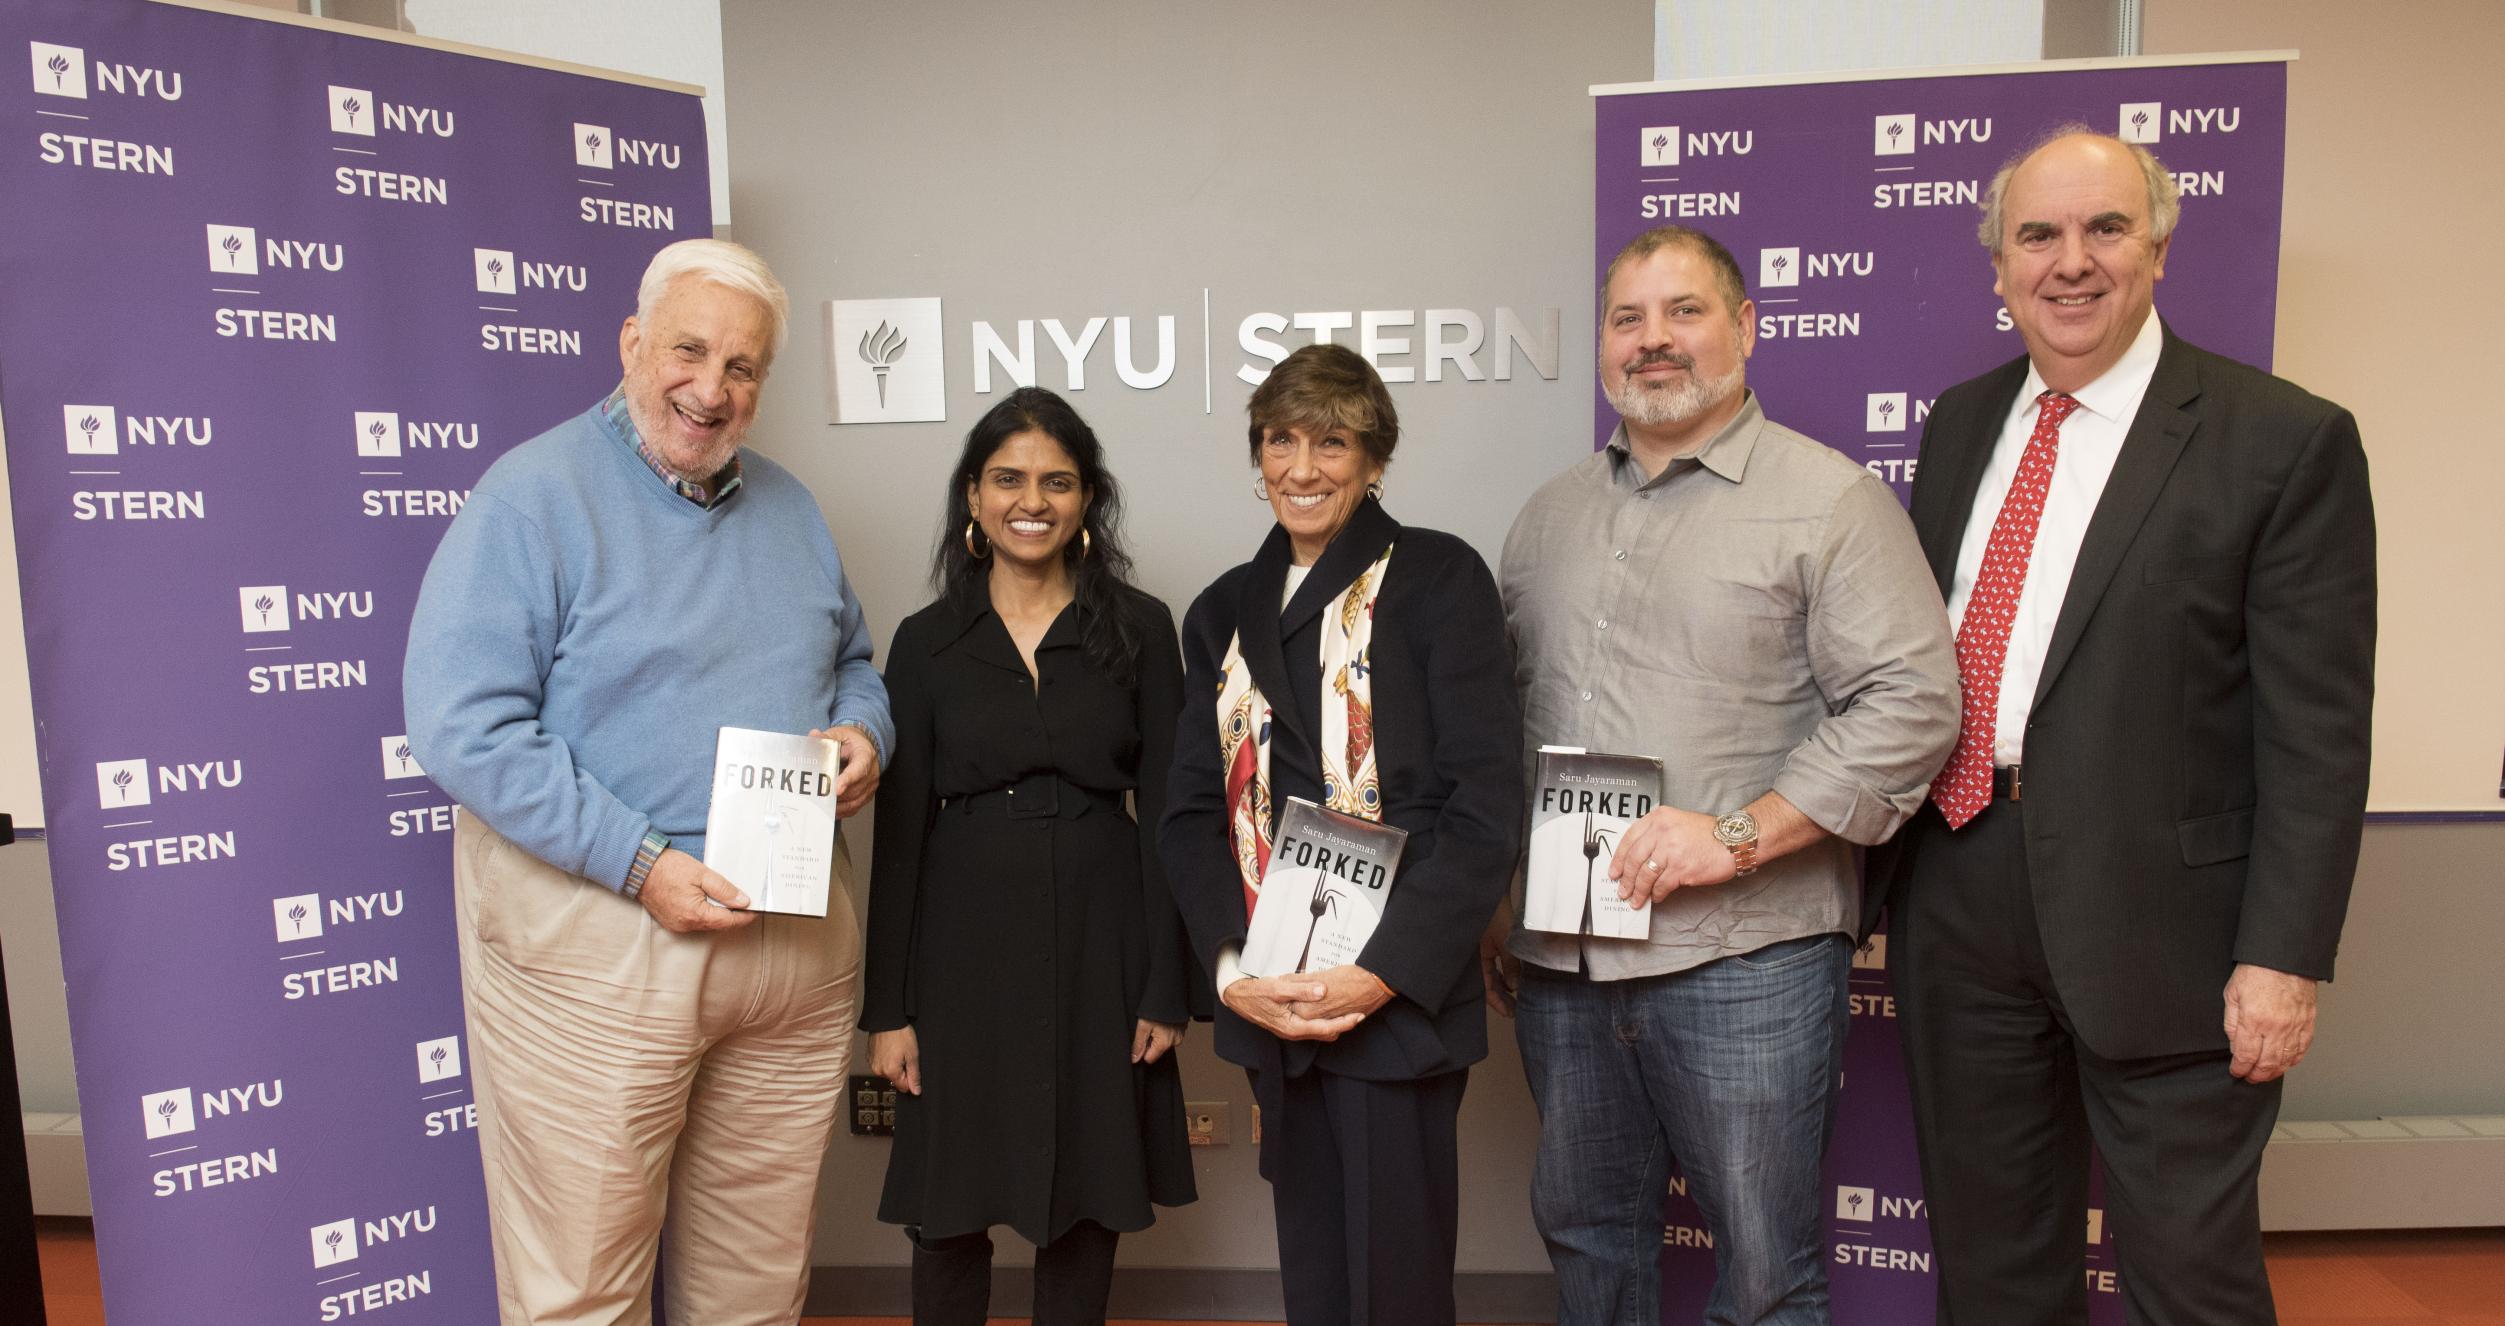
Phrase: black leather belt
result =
(2007, 783)
(1038, 796)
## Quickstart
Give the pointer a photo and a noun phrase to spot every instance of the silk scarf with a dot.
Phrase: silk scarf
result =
(1349, 780)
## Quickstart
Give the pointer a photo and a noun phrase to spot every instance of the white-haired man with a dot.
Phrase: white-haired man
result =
(2109, 921)
(614, 591)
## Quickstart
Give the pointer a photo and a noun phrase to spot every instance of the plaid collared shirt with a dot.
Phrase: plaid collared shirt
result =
(725, 483)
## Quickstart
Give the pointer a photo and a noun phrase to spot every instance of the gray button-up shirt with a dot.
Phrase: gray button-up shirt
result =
(1757, 616)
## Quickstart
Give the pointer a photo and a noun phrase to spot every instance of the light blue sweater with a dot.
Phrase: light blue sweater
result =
(583, 630)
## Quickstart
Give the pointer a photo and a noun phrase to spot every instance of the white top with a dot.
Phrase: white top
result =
(2091, 440)
(1295, 581)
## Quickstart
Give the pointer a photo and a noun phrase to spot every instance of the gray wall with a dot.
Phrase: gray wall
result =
(1025, 162)
(39, 1010)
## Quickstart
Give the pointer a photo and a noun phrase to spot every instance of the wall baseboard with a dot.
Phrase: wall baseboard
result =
(2419, 1172)
(56, 1165)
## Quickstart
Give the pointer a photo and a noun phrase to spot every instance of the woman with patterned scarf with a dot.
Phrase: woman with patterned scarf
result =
(1361, 664)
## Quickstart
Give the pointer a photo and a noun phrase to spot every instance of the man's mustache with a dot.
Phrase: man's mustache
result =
(1652, 357)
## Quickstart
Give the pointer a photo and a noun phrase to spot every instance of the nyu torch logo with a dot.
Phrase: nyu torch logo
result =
(884, 361)
(297, 917)
(439, 1060)
(334, 1243)
(122, 784)
(90, 431)
(397, 761)
(1660, 145)
(1894, 135)
(495, 270)
(352, 110)
(233, 251)
(594, 146)
(264, 607)
(378, 433)
(880, 349)
(60, 71)
(167, 1113)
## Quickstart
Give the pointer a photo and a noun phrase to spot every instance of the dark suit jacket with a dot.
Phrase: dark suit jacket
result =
(2196, 758)
(1448, 747)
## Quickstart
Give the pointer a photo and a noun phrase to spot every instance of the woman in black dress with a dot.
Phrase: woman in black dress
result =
(1026, 975)
(1361, 664)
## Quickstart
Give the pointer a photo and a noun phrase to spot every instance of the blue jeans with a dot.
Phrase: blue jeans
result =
(1730, 1069)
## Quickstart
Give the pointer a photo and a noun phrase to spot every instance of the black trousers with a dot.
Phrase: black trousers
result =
(952, 1277)
(2007, 1097)
(1365, 1178)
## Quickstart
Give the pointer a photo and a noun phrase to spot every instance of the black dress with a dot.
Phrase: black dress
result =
(1020, 924)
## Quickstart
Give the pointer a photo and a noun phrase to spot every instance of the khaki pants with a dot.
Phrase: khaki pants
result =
(625, 1074)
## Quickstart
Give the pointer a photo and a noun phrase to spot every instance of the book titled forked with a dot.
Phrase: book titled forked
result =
(771, 829)
(1322, 894)
(1580, 810)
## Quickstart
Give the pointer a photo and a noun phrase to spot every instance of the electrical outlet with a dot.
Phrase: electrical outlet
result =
(873, 1106)
(1205, 1122)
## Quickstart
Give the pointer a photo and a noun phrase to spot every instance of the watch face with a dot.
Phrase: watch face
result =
(1735, 828)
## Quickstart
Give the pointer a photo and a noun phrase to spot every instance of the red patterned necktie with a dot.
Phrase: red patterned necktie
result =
(1964, 788)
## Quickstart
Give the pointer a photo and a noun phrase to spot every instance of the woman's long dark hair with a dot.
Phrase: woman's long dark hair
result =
(1100, 576)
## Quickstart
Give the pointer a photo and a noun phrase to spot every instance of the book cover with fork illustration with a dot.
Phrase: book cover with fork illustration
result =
(1323, 891)
(1581, 805)
(771, 827)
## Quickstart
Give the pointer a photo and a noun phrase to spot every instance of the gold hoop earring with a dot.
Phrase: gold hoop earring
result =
(1375, 490)
(978, 554)
(1086, 544)
(1261, 487)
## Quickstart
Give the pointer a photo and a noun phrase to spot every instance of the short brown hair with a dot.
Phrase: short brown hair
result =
(1323, 387)
(1726, 268)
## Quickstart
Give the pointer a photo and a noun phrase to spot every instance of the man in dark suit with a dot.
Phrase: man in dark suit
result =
(2111, 918)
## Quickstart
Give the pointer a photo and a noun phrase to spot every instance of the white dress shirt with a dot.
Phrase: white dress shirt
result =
(2091, 440)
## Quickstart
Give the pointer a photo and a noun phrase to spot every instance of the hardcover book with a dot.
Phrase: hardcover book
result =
(1581, 806)
(771, 828)
(1322, 893)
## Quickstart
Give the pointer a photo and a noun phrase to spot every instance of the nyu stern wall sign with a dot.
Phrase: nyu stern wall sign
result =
(887, 359)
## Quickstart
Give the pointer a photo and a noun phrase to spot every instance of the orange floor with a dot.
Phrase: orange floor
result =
(2408, 1278)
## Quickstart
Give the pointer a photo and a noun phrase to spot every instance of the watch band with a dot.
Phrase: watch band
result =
(1737, 832)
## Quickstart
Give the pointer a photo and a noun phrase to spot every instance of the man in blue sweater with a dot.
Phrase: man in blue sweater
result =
(614, 591)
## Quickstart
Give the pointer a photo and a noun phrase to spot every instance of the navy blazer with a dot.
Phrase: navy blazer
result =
(2196, 757)
(1448, 748)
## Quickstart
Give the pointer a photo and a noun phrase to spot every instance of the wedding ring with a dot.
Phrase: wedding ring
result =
(1652, 865)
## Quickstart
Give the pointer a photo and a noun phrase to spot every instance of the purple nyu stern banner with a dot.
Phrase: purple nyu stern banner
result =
(1852, 205)
(277, 294)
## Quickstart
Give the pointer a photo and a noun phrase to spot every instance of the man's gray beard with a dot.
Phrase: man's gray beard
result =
(1659, 407)
(648, 429)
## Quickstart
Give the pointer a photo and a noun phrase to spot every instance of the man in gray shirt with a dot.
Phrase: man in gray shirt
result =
(1751, 608)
